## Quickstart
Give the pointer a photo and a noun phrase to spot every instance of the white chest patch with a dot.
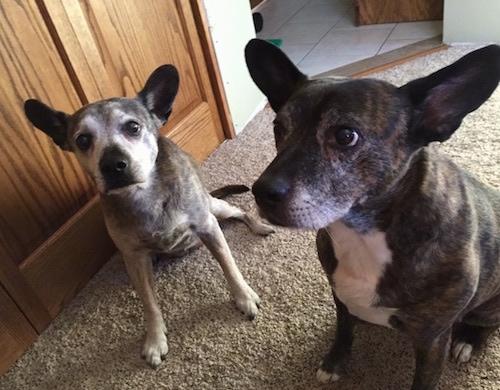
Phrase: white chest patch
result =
(361, 263)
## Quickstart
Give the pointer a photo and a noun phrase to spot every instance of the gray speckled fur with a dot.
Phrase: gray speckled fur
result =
(152, 195)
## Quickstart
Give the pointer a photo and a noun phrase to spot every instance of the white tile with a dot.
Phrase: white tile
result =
(282, 7)
(413, 30)
(316, 64)
(302, 33)
(392, 44)
(352, 42)
(273, 23)
(345, 3)
(320, 34)
(296, 52)
(347, 21)
(275, 13)
(330, 12)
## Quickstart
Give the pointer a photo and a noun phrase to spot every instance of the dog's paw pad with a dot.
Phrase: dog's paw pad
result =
(155, 350)
(461, 352)
(323, 376)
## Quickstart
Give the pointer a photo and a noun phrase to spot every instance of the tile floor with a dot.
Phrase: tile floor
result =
(320, 35)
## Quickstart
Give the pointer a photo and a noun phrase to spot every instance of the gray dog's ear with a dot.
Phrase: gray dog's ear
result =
(272, 71)
(51, 122)
(444, 98)
(160, 90)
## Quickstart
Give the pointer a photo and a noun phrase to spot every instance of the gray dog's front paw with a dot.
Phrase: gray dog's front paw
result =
(155, 347)
(248, 302)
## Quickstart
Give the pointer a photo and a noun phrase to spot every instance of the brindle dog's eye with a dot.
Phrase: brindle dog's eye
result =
(132, 128)
(83, 142)
(346, 137)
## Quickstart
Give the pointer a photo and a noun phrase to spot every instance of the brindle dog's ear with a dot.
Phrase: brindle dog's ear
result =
(444, 98)
(159, 93)
(272, 71)
(51, 122)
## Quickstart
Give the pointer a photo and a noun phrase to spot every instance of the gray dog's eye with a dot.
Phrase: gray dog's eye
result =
(132, 128)
(346, 137)
(83, 142)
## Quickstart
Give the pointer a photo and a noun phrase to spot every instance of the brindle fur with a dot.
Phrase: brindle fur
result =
(152, 195)
(441, 225)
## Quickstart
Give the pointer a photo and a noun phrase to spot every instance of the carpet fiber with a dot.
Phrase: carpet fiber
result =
(95, 342)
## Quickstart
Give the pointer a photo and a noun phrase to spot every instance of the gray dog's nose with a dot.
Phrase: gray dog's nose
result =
(112, 162)
(269, 191)
(115, 168)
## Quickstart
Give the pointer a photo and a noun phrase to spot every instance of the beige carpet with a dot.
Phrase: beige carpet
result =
(95, 342)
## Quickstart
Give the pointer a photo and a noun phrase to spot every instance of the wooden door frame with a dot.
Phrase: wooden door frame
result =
(213, 67)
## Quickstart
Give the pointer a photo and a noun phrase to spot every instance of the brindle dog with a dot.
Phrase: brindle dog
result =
(152, 195)
(407, 238)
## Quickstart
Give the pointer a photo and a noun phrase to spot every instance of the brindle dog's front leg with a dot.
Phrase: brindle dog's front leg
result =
(211, 235)
(333, 365)
(140, 269)
(431, 356)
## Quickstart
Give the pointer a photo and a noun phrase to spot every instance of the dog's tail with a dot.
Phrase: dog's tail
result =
(229, 190)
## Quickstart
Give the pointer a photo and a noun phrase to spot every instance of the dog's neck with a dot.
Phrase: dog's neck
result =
(376, 212)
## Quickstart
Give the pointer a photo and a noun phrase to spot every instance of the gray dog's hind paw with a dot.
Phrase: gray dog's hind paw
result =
(257, 226)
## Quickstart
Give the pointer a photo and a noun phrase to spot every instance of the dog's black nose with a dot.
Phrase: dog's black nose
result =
(269, 191)
(115, 168)
(113, 163)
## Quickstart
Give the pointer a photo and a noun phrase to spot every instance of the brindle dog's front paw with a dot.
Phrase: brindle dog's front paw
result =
(155, 348)
(461, 352)
(326, 375)
(248, 302)
(332, 367)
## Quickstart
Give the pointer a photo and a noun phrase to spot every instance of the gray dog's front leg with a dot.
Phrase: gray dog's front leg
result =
(246, 299)
(140, 270)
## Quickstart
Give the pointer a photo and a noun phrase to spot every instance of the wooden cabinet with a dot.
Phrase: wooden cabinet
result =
(67, 53)
(383, 11)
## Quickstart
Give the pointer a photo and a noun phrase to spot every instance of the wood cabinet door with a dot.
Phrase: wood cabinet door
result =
(383, 11)
(118, 44)
(16, 333)
(41, 188)
(67, 53)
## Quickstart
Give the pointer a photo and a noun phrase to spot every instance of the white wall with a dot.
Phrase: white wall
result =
(231, 26)
(471, 21)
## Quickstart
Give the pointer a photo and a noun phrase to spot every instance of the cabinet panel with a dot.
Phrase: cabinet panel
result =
(16, 334)
(41, 187)
(127, 44)
(383, 11)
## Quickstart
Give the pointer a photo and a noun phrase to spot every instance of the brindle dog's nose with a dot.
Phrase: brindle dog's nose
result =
(269, 191)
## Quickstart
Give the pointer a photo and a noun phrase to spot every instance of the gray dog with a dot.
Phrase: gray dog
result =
(406, 238)
(152, 196)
